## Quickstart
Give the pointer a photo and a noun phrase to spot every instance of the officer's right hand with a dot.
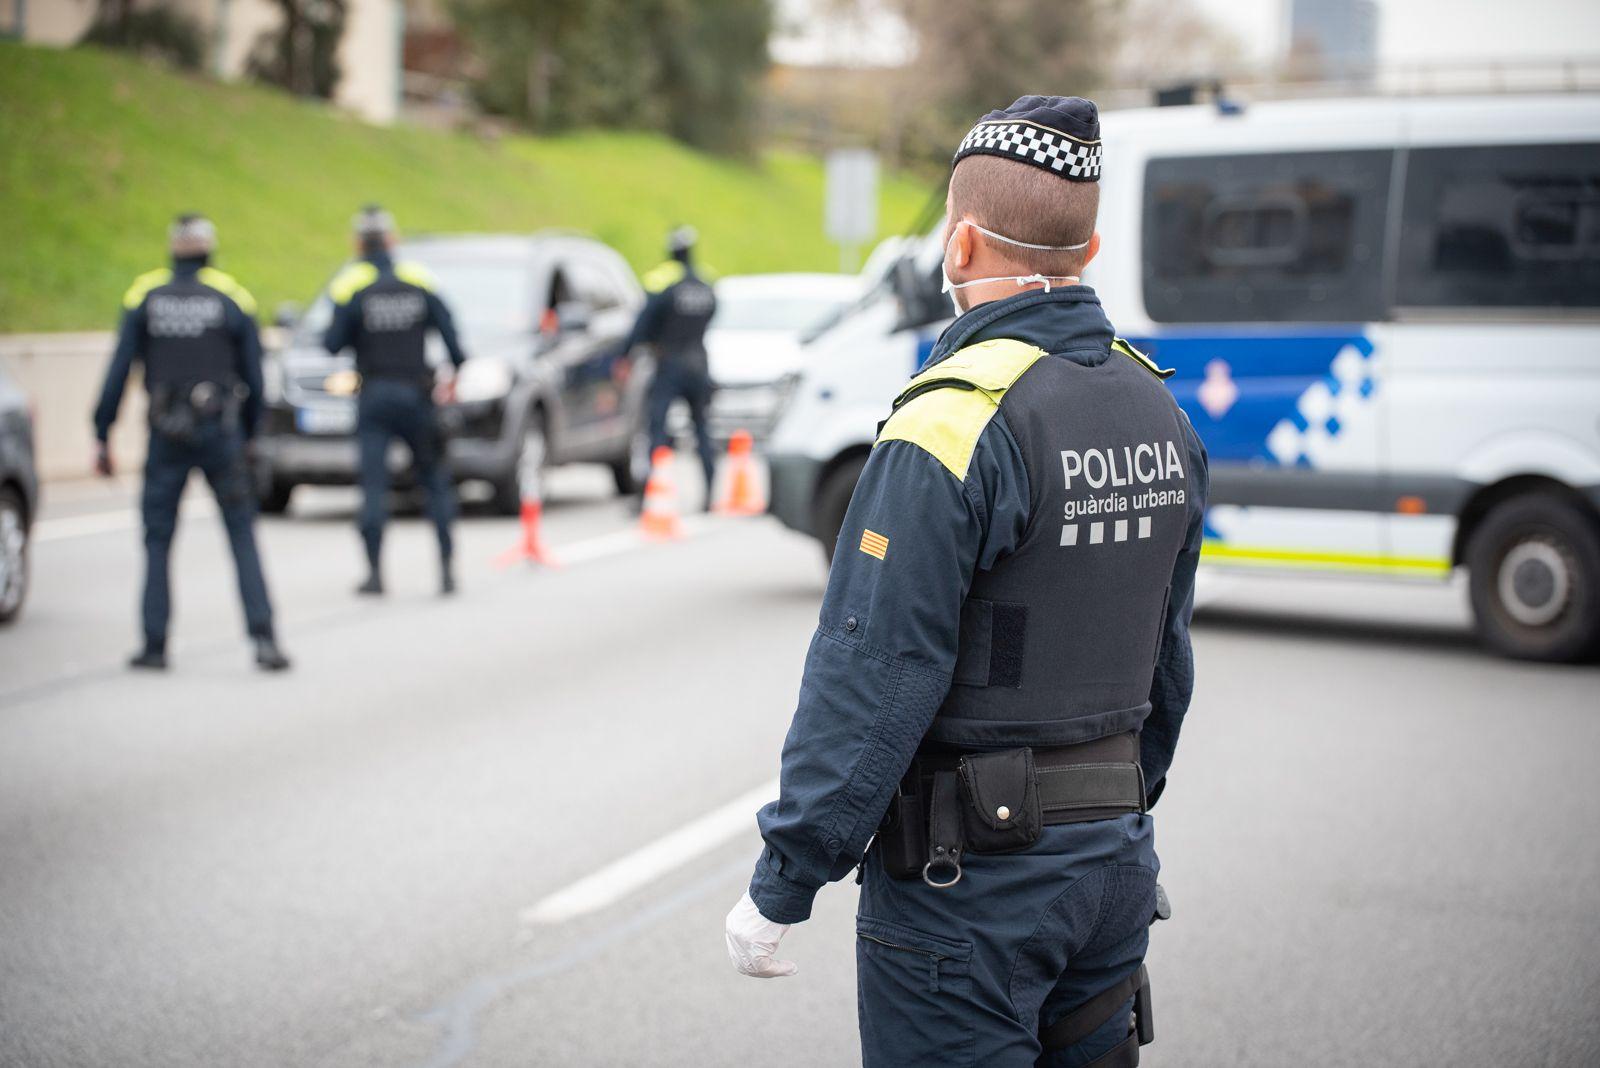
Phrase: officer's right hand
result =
(102, 460)
(753, 939)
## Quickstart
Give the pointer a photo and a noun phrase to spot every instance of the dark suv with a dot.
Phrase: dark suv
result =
(542, 319)
(19, 496)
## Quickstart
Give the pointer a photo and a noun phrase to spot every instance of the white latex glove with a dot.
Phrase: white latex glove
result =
(752, 939)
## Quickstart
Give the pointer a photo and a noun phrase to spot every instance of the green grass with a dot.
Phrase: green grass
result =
(98, 152)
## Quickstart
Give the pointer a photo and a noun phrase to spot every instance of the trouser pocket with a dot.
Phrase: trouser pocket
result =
(915, 996)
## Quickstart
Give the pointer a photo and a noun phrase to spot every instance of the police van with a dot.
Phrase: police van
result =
(1384, 315)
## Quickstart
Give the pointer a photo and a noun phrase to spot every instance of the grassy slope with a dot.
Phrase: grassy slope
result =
(98, 152)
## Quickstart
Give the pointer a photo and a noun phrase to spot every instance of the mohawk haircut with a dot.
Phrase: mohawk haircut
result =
(1029, 204)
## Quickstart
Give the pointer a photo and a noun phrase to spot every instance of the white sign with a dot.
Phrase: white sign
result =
(852, 198)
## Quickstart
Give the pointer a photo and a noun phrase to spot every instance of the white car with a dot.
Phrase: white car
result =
(755, 340)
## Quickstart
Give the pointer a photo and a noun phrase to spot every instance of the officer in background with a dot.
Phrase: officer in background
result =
(1002, 662)
(191, 327)
(384, 309)
(676, 312)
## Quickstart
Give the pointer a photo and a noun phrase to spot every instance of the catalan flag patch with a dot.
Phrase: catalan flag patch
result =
(874, 544)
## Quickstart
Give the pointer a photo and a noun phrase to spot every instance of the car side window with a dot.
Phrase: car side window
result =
(1501, 226)
(1275, 237)
(593, 285)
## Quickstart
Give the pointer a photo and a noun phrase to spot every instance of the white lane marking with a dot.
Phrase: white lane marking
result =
(643, 866)
(83, 526)
(617, 542)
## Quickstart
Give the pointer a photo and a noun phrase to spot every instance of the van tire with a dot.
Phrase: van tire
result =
(1534, 575)
(833, 499)
(273, 497)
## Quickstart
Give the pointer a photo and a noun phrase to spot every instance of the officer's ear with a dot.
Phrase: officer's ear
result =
(1091, 250)
(960, 243)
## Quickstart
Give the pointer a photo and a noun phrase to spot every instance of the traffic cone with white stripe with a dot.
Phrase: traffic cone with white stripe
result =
(659, 520)
(532, 547)
(742, 494)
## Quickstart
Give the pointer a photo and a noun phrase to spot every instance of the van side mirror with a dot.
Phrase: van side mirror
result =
(917, 292)
(286, 315)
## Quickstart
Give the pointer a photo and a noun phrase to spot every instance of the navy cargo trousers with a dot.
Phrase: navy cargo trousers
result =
(969, 974)
(217, 449)
(388, 409)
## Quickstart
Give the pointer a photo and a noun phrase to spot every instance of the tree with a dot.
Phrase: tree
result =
(301, 54)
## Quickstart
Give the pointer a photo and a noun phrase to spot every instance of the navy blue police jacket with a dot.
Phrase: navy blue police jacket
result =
(881, 660)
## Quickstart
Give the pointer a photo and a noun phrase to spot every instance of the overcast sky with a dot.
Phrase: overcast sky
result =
(1409, 31)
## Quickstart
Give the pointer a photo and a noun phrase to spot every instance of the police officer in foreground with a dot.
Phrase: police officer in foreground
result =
(192, 328)
(1002, 662)
(676, 312)
(384, 309)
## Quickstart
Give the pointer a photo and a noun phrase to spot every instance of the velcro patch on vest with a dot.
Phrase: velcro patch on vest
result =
(874, 544)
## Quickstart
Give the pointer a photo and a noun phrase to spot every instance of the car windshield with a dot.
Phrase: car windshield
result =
(485, 296)
(791, 314)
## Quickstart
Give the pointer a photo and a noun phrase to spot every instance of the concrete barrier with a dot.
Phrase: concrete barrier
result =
(61, 373)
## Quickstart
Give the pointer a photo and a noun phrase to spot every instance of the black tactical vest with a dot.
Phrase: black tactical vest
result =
(682, 332)
(392, 341)
(1059, 639)
(186, 335)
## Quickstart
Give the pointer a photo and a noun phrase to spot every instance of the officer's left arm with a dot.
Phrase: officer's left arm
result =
(342, 328)
(648, 323)
(130, 347)
(439, 318)
(247, 362)
(1172, 685)
(881, 659)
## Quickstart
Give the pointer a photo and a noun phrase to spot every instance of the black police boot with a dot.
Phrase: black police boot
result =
(373, 587)
(269, 657)
(447, 580)
(152, 657)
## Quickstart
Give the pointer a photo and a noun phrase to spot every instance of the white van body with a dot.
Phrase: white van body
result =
(1384, 315)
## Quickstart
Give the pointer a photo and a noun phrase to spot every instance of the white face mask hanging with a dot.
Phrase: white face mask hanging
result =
(1021, 279)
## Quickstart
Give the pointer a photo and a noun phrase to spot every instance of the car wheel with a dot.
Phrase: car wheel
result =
(13, 555)
(630, 472)
(833, 498)
(273, 498)
(1534, 565)
(525, 478)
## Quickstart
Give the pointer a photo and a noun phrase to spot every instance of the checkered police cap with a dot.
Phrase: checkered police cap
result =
(1059, 134)
(191, 235)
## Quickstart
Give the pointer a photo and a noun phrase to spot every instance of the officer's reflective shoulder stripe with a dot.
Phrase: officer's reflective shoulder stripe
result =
(414, 274)
(945, 409)
(143, 285)
(1141, 359)
(225, 284)
(662, 276)
(353, 279)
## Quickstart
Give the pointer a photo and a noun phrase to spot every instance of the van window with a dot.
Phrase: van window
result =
(1280, 237)
(1501, 226)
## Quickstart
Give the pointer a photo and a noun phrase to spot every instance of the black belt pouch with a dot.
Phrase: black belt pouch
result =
(903, 834)
(172, 415)
(1003, 813)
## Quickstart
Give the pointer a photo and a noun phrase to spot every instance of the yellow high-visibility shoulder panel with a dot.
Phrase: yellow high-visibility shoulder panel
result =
(414, 274)
(944, 410)
(143, 285)
(662, 276)
(353, 279)
(1141, 359)
(225, 284)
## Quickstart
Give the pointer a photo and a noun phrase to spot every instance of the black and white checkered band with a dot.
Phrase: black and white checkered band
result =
(1028, 143)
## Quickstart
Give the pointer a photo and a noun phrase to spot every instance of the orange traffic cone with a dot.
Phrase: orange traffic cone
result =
(742, 494)
(531, 548)
(659, 519)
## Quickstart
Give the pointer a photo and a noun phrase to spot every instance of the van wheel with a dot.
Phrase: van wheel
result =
(1534, 565)
(833, 498)
(13, 555)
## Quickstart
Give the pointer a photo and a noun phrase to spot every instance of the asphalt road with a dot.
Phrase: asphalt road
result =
(1382, 845)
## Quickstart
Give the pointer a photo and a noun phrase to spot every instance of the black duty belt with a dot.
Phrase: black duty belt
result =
(951, 803)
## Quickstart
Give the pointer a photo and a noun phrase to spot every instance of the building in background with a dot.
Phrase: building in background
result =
(368, 56)
(1333, 40)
